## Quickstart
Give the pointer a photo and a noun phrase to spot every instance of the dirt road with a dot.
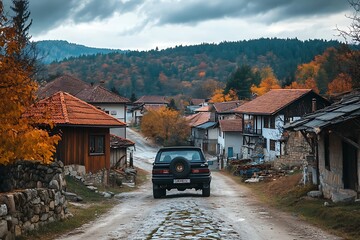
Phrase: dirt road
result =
(231, 212)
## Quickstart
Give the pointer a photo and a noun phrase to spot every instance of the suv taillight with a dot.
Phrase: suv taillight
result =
(201, 170)
(160, 171)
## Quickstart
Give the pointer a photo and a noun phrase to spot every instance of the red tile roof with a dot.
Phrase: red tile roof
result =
(65, 109)
(99, 94)
(118, 142)
(222, 107)
(198, 118)
(272, 101)
(152, 100)
(153, 107)
(64, 83)
(231, 125)
(203, 109)
(197, 101)
(80, 89)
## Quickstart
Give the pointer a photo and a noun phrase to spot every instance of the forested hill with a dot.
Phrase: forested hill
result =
(58, 50)
(187, 69)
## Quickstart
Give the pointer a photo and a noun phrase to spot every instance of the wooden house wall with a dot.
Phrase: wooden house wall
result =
(303, 106)
(74, 148)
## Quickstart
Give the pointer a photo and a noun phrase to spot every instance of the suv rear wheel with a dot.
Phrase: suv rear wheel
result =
(206, 191)
(158, 192)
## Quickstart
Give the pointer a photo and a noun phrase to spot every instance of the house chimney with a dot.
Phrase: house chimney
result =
(313, 105)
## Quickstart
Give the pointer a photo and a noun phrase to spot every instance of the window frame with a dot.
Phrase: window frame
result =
(96, 140)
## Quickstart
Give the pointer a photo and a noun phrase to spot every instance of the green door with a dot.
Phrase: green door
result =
(230, 152)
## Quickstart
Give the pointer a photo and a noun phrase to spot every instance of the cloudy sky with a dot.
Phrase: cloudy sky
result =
(147, 24)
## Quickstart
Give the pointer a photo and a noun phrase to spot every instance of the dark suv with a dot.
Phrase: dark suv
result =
(181, 168)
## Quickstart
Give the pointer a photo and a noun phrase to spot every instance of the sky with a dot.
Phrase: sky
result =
(150, 24)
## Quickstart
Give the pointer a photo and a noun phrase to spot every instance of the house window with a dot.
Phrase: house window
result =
(327, 151)
(272, 145)
(269, 122)
(97, 144)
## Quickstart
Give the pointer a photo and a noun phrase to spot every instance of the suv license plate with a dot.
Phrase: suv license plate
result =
(181, 180)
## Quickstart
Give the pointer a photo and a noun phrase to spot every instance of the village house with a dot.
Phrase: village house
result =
(334, 136)
(196, 103)
(96, 95)
(144, 104)
(84, 129)
(229, 139)
(264, 118)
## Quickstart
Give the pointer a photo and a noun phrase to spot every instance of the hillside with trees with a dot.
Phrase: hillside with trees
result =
(58, 50)
(191, 70)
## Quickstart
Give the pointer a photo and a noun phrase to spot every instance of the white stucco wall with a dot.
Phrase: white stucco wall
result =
(234, 140)
(273, 134)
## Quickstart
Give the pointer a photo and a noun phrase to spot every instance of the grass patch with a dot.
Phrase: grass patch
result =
(92, 207)
(286, 194)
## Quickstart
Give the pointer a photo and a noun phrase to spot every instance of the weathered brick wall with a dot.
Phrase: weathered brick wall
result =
(34, 197)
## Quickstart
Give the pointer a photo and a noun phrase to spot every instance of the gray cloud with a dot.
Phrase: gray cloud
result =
(48, 14)
(193, 12)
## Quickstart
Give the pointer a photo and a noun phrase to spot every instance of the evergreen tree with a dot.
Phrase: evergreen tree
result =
(241, 80)
(133, 97)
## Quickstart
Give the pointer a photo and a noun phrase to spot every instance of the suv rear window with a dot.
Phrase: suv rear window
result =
(189, 154)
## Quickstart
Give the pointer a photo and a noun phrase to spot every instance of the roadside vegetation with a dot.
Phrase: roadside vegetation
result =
(92, 207)
(286, 194)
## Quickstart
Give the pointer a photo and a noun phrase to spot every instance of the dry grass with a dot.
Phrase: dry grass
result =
(285, 193)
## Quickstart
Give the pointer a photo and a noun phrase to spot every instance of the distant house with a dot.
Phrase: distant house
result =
(224, 110)
(334, 136)
(265, 116)
(145, 103)
(203, 131)
(85, 130)
(196, 103)
(230, 138)
(96, 95)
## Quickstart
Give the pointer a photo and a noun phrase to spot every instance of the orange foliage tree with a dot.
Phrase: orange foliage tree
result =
(166, 126)
(19, 138)
(220, 96)
(341, 83)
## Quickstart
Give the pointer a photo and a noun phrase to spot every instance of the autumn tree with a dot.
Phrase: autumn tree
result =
(268, 82)
(19, 136)
(166, 126)
(220, 96)
(340, 84)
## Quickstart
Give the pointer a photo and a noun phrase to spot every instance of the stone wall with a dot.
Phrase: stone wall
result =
(34, 197)
(295, 152)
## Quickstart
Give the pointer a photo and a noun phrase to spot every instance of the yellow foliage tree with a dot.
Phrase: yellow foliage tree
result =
(219, 96)
(340, 84)
(309, 84)
(265, 86)
(166, 126)
(19, 136)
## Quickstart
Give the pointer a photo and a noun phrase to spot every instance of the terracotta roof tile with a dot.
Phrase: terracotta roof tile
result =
(117, 142)
(98, 94)
(197, 101)
(272, 101)
(65, 109)
(64, 83)
(152, 100)
(80, 89)
(153, 107)
(198, 118)
(222, 107)
(203, 109)
(231, 125)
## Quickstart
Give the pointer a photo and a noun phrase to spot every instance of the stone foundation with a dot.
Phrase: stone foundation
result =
(34, 197)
